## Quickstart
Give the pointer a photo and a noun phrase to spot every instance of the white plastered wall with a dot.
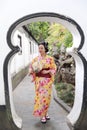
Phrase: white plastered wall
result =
(25, 57)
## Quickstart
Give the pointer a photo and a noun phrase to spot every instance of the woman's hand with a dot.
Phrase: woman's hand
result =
(30, 71)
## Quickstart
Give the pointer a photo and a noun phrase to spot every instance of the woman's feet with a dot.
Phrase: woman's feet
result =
(43, 120)
(47, 117)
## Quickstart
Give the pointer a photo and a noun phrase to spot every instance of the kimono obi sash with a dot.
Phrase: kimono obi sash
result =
(40, 74)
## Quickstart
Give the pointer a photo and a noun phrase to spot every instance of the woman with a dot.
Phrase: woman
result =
(43, 77)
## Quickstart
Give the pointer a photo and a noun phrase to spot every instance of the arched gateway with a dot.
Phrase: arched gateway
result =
(78, 115)
(9, 120)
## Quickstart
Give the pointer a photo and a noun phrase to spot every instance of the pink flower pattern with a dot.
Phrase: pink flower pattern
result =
(43, 87)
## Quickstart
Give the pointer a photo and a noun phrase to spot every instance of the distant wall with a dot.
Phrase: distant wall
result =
(20, 62)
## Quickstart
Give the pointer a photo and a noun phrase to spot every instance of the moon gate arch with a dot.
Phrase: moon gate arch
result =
(76, 119)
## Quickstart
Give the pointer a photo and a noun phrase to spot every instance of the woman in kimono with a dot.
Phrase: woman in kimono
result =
(43, 69)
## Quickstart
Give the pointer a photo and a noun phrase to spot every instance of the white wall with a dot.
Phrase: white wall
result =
(21, 60)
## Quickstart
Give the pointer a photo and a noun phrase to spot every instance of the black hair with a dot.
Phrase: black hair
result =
(45, 44)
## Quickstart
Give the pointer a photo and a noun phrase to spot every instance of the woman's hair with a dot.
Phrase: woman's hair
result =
(45, 44)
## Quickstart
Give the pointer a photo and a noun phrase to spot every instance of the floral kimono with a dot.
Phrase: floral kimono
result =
(43, 84)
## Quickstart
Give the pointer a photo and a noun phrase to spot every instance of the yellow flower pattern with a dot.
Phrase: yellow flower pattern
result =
(43, 86)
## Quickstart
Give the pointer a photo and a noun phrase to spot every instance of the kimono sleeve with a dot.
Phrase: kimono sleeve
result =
(53, 66)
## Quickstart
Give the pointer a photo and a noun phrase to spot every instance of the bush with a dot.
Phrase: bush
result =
(65, 92)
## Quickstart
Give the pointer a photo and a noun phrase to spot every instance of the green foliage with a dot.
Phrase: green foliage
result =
(60, 35)
(53, 33)
(68, 39)
(39, 30)
(65, 92)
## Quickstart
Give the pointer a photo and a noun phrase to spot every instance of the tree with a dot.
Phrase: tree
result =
(59, 35)
(55, 34)
(39, 30)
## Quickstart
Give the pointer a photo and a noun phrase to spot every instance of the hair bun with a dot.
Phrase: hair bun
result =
(46, 44)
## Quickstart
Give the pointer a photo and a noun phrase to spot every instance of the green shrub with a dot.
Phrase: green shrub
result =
(65, 92)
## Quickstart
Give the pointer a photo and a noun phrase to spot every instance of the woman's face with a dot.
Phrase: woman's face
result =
(41, 49)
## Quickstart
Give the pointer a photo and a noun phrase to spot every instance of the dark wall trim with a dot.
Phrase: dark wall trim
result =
(29, 33)
(18, 77)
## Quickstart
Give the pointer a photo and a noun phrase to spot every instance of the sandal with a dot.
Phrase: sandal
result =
(43, 120)
(47, 117)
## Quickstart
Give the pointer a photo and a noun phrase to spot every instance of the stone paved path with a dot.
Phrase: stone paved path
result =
(23, 97)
